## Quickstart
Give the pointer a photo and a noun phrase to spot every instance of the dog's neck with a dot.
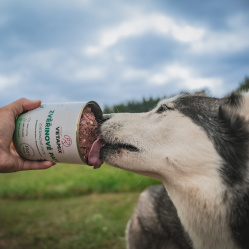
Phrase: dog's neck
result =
(200, 207)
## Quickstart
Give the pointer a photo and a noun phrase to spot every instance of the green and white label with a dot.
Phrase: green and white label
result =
(50, 133)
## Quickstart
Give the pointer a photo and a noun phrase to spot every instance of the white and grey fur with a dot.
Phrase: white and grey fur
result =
(198, 147)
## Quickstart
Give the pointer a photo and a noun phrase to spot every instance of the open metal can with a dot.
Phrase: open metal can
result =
(51, 132)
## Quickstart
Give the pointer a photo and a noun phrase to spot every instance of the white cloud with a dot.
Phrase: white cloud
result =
(119, 57)
(79, 2)
(234, 38)
(90, 73)
(45, 59)
(200, 39)
(156, 23)
(8, 81)
(185, 77)
(168, 74)
(222, 42)
(134, 74)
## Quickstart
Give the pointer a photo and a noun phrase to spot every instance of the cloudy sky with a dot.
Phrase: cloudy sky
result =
(113, 51)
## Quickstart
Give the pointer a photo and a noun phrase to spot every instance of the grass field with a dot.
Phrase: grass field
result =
(64, 180)
(68, 206)
(95, 221)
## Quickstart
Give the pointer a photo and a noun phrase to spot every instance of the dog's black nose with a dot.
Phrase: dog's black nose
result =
(105, 117)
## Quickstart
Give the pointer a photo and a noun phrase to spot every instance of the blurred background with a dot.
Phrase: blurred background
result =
(116, 51)
(125, 55)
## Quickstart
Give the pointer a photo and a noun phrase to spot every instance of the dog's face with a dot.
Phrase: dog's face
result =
(180, 137)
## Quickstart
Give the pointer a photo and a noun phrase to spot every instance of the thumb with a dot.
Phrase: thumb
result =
(23, 105)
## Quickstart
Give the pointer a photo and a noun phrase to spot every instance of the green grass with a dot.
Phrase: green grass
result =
(64, 180)
(68, 206)
(95, 221)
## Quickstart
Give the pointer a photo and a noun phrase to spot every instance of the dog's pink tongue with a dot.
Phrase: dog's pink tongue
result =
(94, 154)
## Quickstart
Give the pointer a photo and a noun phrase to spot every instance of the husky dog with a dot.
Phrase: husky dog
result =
(198, 147)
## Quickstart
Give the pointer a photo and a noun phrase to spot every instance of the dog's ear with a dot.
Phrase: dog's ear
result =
(233, 129)
(234, 100)
(229, 110)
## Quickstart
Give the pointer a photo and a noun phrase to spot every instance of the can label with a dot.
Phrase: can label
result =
(50, 132)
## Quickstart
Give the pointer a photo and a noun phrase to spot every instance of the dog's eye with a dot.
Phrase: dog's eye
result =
(163, 108)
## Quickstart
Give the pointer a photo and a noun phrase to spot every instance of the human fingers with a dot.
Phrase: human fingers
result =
(22, 105)
(31, 104)
(35, 165)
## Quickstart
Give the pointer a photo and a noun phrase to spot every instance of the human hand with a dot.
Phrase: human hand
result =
(10, 161)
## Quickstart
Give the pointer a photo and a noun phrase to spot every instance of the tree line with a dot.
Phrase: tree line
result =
(148, 104)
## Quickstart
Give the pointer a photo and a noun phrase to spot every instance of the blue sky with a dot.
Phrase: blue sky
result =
(113, 51)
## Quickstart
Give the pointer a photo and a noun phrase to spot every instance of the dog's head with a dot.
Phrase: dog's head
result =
(183, 136)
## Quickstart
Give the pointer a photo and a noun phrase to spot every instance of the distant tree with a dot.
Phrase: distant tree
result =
(107, 109)
(244, 86)
(133, 106)
(144, 105)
